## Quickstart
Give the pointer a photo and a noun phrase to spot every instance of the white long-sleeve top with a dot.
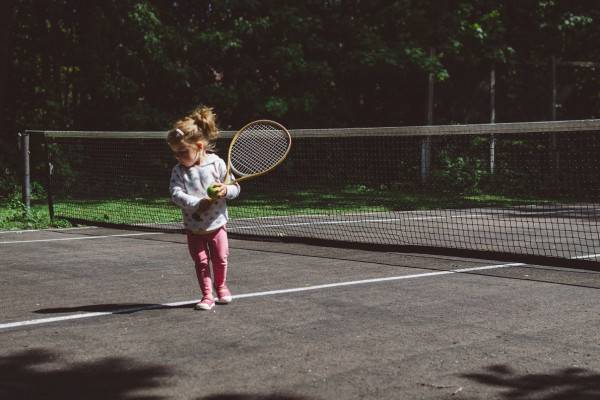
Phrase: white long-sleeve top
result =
(188, 186)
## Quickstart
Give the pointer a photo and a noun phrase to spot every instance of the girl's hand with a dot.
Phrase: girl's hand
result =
(221, 190)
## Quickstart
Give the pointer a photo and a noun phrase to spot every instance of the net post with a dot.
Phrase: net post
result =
(26, 178)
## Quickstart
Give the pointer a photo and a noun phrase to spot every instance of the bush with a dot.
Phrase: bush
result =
(8, 185)
(14, 214)
(459, 174)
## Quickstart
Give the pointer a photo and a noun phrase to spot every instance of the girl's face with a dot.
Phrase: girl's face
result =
(187, 154)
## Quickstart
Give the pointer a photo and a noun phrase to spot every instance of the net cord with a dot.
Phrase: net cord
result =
(570, 126)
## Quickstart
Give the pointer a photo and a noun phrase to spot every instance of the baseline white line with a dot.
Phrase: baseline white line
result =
(43, 321)
(80, 238)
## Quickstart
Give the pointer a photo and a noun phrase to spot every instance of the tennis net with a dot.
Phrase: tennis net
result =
(528, 189)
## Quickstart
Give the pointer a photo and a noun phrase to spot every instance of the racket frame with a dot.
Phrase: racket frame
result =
(235, 138)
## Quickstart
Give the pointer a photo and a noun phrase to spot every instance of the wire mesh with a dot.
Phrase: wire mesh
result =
(365, 186)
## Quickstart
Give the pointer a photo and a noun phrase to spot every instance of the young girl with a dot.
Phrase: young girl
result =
(192, 142)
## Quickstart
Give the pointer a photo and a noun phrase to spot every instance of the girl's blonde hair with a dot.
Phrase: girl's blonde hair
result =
(199, 126)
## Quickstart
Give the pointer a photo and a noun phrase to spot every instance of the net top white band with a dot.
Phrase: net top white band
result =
(425, 130)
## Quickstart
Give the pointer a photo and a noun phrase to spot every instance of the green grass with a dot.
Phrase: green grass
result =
(120, 211)
(349, 199)
(14, 217)
(363, 199)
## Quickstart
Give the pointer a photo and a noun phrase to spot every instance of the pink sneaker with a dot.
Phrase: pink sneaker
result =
(207, 303)
(224, 295)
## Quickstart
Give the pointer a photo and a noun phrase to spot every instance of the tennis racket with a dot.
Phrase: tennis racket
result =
(257, 149)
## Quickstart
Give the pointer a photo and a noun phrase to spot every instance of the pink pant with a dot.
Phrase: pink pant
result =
(213, 246)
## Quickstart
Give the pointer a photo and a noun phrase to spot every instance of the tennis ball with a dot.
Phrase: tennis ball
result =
(212, 191)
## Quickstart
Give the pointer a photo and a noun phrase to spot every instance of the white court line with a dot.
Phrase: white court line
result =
(588, 256)
(49, 229)
(469, 213)
(386, 220)
(80, 238)
(43, 321)
(356, 221)
(329, 215)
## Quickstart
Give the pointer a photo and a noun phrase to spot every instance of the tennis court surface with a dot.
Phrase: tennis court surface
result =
(101, 313)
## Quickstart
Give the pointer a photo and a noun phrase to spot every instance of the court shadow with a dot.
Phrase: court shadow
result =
(118, 308)
(564, 384)
(42, 374)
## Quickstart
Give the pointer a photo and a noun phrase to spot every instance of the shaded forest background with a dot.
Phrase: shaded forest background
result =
(139, 64)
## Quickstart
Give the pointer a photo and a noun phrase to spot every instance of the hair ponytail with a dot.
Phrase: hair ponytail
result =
(205, 120)
(199, 125)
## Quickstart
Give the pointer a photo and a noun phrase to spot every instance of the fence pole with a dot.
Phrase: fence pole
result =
(426, 142)
(554, 94)
(493, 119)
(49, 174)
(26, 182)
(554, 143)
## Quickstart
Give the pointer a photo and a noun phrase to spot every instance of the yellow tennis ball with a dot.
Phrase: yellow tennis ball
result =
(212, 191)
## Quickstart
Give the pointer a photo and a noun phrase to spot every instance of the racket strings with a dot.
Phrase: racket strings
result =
(254, 159)
(258, 149)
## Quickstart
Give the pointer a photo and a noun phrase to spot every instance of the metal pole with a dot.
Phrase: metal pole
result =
(426, 142)
(554, 105)
(49, 174)
(26, 190)
(430, 89)
(553, 139)
(493, 95)
(493, 119)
